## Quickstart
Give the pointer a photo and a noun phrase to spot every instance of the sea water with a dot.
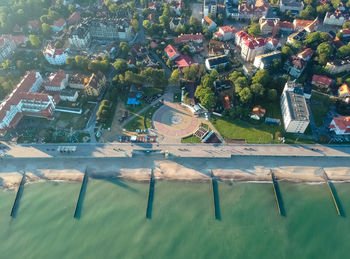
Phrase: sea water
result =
(112, 223)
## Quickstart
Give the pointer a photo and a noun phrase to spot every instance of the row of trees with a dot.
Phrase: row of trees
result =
(85, 65)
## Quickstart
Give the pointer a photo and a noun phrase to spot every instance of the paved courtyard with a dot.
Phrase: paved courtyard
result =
(175, 121)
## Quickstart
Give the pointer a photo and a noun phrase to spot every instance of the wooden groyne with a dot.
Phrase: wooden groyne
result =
(81, 195)
(276, 192)
(335, 201)
(215, 193)
(150, 196)
(18, 196)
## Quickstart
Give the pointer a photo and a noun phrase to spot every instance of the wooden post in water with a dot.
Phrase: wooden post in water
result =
(81, 195)
(214, 189)
(18, 195)
(150, 196)
(325, 176)
(274, 186)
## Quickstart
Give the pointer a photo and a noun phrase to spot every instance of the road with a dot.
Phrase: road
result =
(116, 149)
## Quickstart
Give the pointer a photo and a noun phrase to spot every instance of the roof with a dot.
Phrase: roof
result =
(171, 51)
(55, 79)
(208, 20)
(297, 62)
(74, 17)
(346, 32)
(59, 23)
(34, 24)
(342, 122)
(344, 89)
(53, 52)
(258, 111)
(273, 41)
(286, 25)
(297, 106)
(227, 102)
(184, 61)
(306, 53)
(218, 60)
(188, 37)
(95, 79)
(227, 29)
(307, 24)
(322, 80)
(19, 39)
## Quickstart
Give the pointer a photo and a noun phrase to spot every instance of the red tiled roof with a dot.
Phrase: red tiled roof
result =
(273, 41)
(19, 39)
(321, 80)
(184, 61)
(306, 53)
(286, 25)
(171, 51)
(188, 37)
(342, 122)
(227, 29)
(34, 24)
(74, 17)
(59, 23)
(55, 79)
(346, 32)
(297, 62)
(208, 20)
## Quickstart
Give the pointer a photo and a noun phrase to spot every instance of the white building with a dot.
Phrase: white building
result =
(210, 7)
(80, 37)
(69, 95)
(264, 61)
(293, 5)
(55, 56)
(337, 18)
(340, 125)
(250, 46)
(294, 109)
(7, 48)
(216, 62)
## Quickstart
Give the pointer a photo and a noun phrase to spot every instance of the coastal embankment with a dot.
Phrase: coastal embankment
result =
(243, 168)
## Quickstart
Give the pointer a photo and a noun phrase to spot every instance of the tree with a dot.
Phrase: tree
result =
(287, 52)
(254, 30)
(324, 50)
(120, 65)
(343, 51)
(34, 40)
(234, 75)
(346, 25)
(322, 10)
(206, 96)
(272, 94)
(58, 44)
(262, 77)
(155, 76)
(308, 13)
(257, 89)
(240, 83)
(46, 29)
(124, 48)
(335, 3)
(245, 95)
(316, 38)
(175, 77)
(71, 8)
(135, 25)
(276, 65)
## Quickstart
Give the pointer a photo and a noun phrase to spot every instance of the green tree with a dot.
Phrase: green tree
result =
(254, 30)
(175, 77)
(58, 44)
(272, 95)
(234, 75)
(262, 77)
(308, 13)
(135, 25)
(343, 51)
(206, 96)
(124, 48)
(322, 10)
(46, 29)
(287, 52)
(34, 40)
(120, 65)
(245, 95)
(257, 89)
(346, 25)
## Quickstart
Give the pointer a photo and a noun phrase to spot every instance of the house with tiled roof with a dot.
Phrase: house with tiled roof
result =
(172, 52)
(337, 18)
(338, 66)
(209, 23)
(250, 46)
(184, 61)
(340, 125)
(269, 26)
(33, 25)
(264, 61)
(56, 82)
(189, 38)
(295, 66)
(344, 91)
(273, 44)
(26, 100)
(306, 54)
(322, 81)
(217, 48)
(308, 25)
(345, 32)
(286, 27)
(251, 9)
(55, 56)
(95, 84)
(59, 25)
(74, 18)
(225, 33)
(18, 39)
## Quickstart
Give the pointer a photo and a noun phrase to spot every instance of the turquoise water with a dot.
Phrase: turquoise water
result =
(113, 224)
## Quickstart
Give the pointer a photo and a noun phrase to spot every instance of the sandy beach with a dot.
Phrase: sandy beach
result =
(246, 168)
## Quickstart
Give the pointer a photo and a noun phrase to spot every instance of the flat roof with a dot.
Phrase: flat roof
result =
(297, 106)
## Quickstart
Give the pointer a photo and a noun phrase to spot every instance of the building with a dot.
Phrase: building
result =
(286, 27)
(209, 23)
(55, 56)
(295, 66)
(172, 52)
(80, 37)
(74, 18)
(322, 81)
(59, 25)
(232, 9)
(264, 61)
(18, 39)
(26, 100)
(338, 66)
(217, 48)
(337, 18)
(346, 33)
(344, 91)
(250, 46)
(273, 44)
(56, 82)
(295, 112)
(189, 38)
(297, 36)
(215, 62)
(7, 48)
(77, 81)
(176, 6)
(210, 7)
(253, 8)
(69, 95)
(184, 61)
(176, 22)
(340, 125)
(257, 113)
(295, 6)
(269, 26)
(306, 54)
(34, 25)
(95, 84)
(308, 25)
(225, 33)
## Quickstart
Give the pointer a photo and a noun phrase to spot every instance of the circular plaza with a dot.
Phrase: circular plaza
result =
(175, 121)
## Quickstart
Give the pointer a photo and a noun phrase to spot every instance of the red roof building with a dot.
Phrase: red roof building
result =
(322, 81)
(34, 25)
(74, 18)
(186, 38)
(340, 125)
(56, 81)
(184, 61)
(306, 54)
(308, 25)
(172, 52)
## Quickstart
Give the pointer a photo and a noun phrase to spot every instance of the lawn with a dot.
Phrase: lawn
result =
(191, 139)
(320, 104)
(251, 131)
(143, 120)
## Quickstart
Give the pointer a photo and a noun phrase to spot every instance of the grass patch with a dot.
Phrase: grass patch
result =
(252, 132)
(143, 120)
(150, 91)
(81, 137)
(191, 139)
(320, 104)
